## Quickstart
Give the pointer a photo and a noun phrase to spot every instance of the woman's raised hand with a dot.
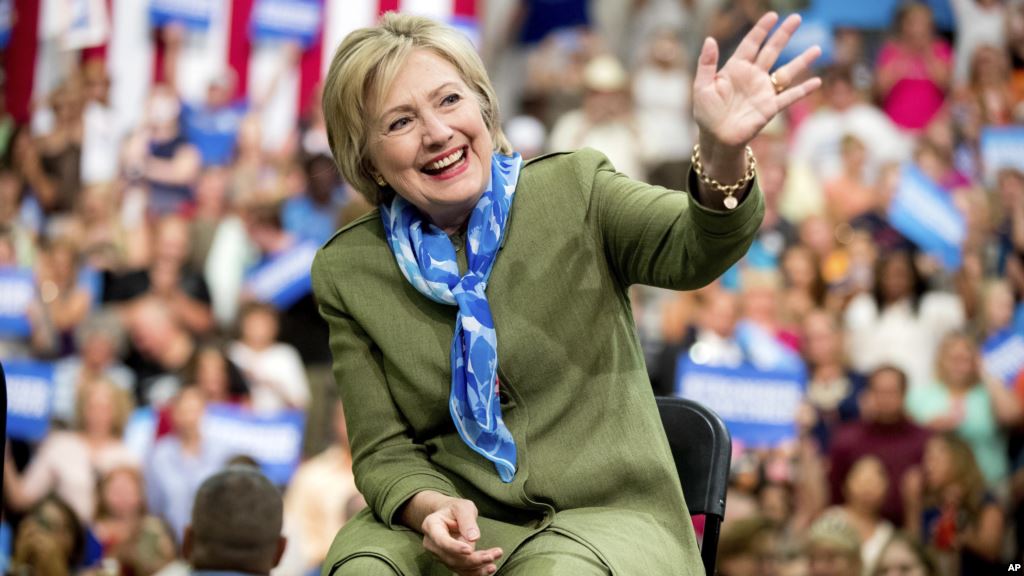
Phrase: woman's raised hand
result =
(451, 532)
(733, 104)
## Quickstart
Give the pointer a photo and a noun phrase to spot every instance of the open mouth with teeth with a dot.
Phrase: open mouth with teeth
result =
(446, 165)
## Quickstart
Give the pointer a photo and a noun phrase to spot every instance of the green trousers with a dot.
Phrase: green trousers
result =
(546, 554)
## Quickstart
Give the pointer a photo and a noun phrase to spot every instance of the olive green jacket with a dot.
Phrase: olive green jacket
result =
(593, 461)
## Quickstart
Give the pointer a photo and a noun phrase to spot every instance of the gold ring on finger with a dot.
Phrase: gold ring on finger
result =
(775, 83)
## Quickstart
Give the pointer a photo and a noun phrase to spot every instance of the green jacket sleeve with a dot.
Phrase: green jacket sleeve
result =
(389, 466)
(660, 237)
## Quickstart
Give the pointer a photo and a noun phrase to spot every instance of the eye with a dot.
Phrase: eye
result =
(451, 99)
(399, 124)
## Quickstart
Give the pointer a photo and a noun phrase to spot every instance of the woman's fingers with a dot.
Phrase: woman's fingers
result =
(791, 95)
(796, 67)
(751, 44)
(437, 537)
(707, 64)
(465, 516)
(451, 534)
(773, 47)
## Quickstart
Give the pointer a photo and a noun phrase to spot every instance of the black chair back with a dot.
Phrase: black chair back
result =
(702, 450)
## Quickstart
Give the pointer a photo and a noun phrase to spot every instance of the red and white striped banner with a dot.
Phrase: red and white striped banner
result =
(38, 56)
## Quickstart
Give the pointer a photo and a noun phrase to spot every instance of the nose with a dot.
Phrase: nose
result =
(436, 132)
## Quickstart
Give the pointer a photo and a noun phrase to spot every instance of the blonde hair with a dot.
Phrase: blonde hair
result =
(363, 69)
(122, 403)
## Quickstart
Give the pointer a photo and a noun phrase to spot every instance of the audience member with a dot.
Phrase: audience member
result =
(605, 120)
(914, 69)
(884, 431)
(236, 525)
(273, 369)
(748, 547)
(864, 492)
(900, 309)
(67, 462)
(321, 497)
(904, 555)
(949, 507)
(161, 156)
(833, 547)
(180, 462)
(833, 389)
(100, 341)
(121, 509)
(973, 405)
(50, 540)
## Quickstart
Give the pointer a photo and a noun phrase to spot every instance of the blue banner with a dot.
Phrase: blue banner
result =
(194, 14)
(758, 407)
(1001, 147)
(296, 20)
(275, 440)
(875, 14)
(283, 279)
(922, 211)
(6, 22)
(1002, 355)
(29, 399)
(17, 289)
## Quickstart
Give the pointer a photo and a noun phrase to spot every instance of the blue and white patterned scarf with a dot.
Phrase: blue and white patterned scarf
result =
(427, 259)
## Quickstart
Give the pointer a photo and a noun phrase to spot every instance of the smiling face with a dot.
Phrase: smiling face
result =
(429, 141)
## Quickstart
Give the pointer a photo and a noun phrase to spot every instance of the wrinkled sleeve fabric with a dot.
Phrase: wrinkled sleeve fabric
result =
(660, 237)
(389, 466)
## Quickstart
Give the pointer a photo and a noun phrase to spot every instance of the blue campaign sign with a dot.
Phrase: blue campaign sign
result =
(29, 399)
(17, 289)
(297, 20)
(875, 14)
(273, 440)
(923, 212)
(6, 22)
(758, 407)
(1001, 147)
(194, 14)
(284, 278)
(1003, 355)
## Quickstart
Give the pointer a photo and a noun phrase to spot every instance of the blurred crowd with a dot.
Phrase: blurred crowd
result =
(908, 456)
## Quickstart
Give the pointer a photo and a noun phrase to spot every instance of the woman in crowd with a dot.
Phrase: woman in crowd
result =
(50, 540)
(122, 506)
(63, 301)
(952, 511)
(832, 387)
(414, 126)
(864, 494)
(67, 462)
(963, 400)
(900, 309)
(804, 286)
(914, 69)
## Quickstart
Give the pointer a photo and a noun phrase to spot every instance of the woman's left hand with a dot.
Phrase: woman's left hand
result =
(733, 104)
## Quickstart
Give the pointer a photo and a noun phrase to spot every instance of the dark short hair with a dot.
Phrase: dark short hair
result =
(236, 521)
(902, 376)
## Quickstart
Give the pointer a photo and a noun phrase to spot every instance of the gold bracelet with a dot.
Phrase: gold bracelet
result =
(730, 201)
